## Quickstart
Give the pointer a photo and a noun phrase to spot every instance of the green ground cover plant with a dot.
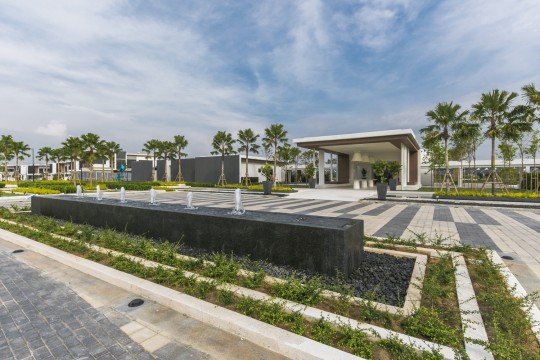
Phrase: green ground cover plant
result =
(487, 195)
(256, 187)
(343, 337)
(36, 190)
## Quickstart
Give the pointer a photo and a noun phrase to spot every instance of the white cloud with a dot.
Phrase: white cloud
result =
(53, 128)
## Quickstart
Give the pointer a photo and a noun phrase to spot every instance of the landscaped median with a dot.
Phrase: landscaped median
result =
(311, 306)
(510, 195)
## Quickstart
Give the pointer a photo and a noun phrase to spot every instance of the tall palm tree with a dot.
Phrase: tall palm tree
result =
(493, 110)
(445, 118)
(248, 144)
(275, 135)
(468, 135)
(180, 143)
(6, 152)
(532, 150)
(152, 146)
(73, 150)
(222, 145)
(91, 143)
(101, 153)
(112, 148)
(20, 152)
(295, 154)
(45, 154)
(167, 151)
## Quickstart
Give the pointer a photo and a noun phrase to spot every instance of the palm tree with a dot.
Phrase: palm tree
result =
(167, 151)
(493, 109)
(532, 95)
(6, 152)
(222, 145)
(152, 146)
(468, 135)
(248, 143)
(521, 121)
(275, 135)
(73, 149)
(101, 153)
(91, 143)
(20, 152)
(446, 117)
(112, 148)
(180, 143)
(45, 153)
(295, 154)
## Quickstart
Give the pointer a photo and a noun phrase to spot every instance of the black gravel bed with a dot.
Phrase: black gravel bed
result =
(383, 278)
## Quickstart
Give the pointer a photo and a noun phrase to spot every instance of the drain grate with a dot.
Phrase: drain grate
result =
(18, 251)
(136, 302)
(507, 257)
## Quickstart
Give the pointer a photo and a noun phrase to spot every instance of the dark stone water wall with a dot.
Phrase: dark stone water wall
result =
(305, 242)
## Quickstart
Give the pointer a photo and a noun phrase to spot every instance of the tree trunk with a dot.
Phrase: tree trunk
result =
(275, 163)
(16, 172)
(247, 166)
(154, 168)
(179, 175)
(222, 177)
(103, 170)
(493, 165)
(46, 169)
(447, 170)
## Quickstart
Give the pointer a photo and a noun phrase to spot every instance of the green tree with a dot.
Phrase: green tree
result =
(445, 118)
(180, 143)
(532, 150)
(20, 152)
(167, 151)
(493, 110)
(248, 144)
(296, 154)
(285, 156)
(73, 150)
(275, 135)
(434, 154)
(222, 145)
(468, 136)
(6, 153)
(520, 125)
(57, 156)
(45, 153)
(153, 147)
(111, 149)
(91, 144)
(507, 151)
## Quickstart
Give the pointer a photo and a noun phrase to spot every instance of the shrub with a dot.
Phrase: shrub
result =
(529, 181)
(487, 194)
(35, 190)
(2, 185)
(379, 169)
(310, 171)
(130, 185)
(200, 184)
(267, 171)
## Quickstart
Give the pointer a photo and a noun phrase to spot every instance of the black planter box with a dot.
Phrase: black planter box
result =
(311, 183)
(382, 189)
(267, 187)
(392, 183)
(306, 242)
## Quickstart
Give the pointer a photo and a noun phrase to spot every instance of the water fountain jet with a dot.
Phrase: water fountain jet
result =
(99, 195)
(189, 198)
(238, 207)
(122, 195)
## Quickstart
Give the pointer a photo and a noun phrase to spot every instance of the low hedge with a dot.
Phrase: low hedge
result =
(43, 183)
(200, 184)
(36, 190)
(129, 185)
(486, 194)
(2, 185)
(255, 187)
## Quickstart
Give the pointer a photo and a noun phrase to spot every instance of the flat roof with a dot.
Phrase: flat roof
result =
(360, 138)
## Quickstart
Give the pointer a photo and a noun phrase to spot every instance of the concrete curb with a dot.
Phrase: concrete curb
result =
(262, 334)
(518, 291)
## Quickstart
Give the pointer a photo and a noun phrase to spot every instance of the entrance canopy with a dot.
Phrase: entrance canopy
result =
(357, 151)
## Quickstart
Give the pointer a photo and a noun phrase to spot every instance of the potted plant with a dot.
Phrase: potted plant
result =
(379, 169)
(310, 174)
(394, 168)
(364, 173)
(267, 172)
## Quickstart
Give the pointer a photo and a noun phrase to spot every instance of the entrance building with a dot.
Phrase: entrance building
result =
(356, 153)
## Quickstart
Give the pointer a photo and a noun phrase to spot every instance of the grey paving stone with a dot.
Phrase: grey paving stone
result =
(178, 352)
(474, 235)
(379, 210)
(40, 319)
(442, 213)
(480, 217)
(399, 223)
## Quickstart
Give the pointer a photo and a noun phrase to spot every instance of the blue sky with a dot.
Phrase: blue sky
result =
(135, 70)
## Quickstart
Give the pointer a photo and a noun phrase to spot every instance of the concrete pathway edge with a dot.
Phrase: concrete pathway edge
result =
(259, 333)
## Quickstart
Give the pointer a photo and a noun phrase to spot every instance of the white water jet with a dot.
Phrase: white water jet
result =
(99, 195)
(122, 195)
(79, 191)
(153, 197)
(189, 198)
(238, 207)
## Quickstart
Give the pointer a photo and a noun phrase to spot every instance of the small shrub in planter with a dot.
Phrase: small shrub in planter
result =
(309, 171)
(267, 172)
(393, 167)
(379, 168)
